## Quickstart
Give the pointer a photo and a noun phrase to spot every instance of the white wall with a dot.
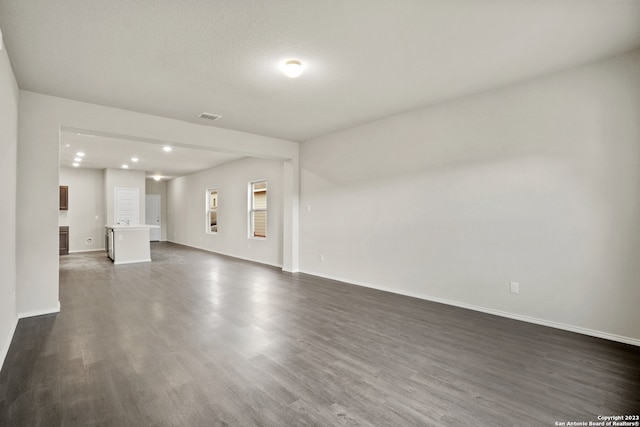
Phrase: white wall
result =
(8, 148)
(86, 202)
(537, 183)
(116, 178)
(38, 201)
(40, 119)
(160, 188)
(187, 210)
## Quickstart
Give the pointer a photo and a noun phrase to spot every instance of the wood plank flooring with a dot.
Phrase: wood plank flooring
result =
(198, 339)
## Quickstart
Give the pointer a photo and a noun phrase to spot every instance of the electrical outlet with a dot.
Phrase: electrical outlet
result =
(515, 287)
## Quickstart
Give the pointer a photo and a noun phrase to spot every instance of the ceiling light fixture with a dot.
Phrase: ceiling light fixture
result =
(85, 134)
(134, 159)
(157, 177)
(77, 159)
(167, 148)
(76, 164)
(125, 166)
(80, 154)
(293, 68)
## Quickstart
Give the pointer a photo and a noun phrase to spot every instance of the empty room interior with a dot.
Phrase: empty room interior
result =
(290, 213)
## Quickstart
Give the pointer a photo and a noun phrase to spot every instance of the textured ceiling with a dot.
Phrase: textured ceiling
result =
(365, 59)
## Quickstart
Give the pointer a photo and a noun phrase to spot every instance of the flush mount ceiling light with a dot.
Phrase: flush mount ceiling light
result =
(157, 177)
(76, 164)
(167, 148)
(80, 154)
(125, 166)
(134, 159)
(293, 68)
(77, 159)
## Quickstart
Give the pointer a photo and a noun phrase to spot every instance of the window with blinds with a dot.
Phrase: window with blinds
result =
(212, 210)
(258, 209)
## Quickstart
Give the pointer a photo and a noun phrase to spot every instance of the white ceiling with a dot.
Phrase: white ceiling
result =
(365, 59)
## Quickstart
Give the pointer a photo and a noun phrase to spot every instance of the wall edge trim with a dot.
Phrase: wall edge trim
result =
(226, 254)
(506, 314)
(4, 351)
(42, 312)
(132, 261)
(86, 250)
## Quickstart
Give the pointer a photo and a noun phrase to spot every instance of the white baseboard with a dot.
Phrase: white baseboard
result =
(4, 350)
(87, 250)
(133, 261)
(227, 254)
(537, 321)
(39, 312)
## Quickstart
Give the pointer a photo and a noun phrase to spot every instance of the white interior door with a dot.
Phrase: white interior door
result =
(152, 215)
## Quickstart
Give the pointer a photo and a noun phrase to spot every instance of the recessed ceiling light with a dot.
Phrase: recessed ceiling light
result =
(125, 166)
(293, 68)
(76, 164)
(167, 148)
(134, 159)
(157, 177)
(80, 154)
(77, 159)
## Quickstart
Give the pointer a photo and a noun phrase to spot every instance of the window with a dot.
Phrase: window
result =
(258, 209)
(212, 210)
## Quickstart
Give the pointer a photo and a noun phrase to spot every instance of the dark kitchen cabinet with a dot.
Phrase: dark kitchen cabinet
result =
(64, 240)
(64, 198)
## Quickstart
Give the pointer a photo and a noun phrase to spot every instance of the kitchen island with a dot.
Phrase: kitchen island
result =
(128, 244)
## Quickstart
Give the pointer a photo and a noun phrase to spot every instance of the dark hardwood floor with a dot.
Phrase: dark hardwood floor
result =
(197, 339)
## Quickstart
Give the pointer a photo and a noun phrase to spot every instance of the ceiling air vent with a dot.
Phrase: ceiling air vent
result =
(209, 116)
